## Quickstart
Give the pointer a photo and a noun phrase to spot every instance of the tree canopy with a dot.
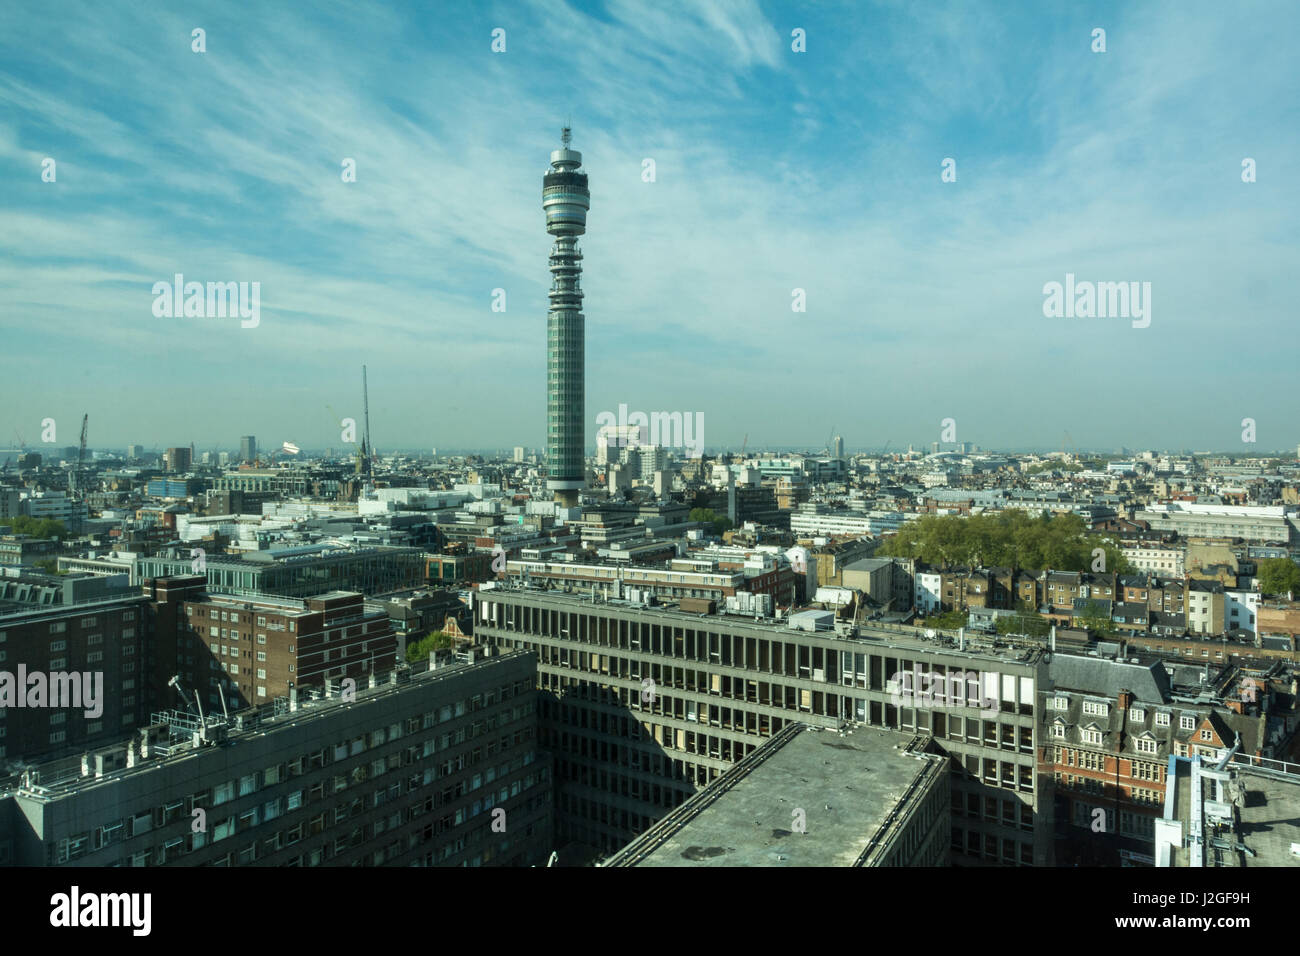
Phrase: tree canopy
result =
(1008, 538)
(947, 620)
(419, 649)
(1095, 619)
(37, 527)
(1278, 576)
(720, 523)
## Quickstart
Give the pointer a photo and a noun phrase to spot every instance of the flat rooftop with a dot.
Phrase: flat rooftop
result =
(847, 785)
(1009, 649)
(1267, 815)
(1270, 819)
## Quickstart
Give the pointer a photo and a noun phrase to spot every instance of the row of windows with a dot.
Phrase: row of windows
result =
(269, 844)
(1008, 811)
(176, 811)
(979, 845)
(274, 775)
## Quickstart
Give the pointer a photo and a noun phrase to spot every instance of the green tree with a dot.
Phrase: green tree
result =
(720, 523)
(418, 649)
(1278, 576)
(1009, 538)
(1095, 619)
(948, 620)
(38, 527)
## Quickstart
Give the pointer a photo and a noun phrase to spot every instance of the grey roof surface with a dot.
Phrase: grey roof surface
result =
(1270, 820)
(846, 787)
(868, 564)
(1095, 675)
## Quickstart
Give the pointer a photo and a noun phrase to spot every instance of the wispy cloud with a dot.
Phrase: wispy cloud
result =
(775, 170)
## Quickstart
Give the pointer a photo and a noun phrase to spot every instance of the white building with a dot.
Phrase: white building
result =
(809, 523)
(612, 441)
(1264, 523)
(926, 593)
(1240, 608)
(812, 520)
(56, 505)
(1156, 559)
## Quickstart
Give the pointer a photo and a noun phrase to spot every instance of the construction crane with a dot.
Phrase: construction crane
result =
(366, 453)
(74, 480)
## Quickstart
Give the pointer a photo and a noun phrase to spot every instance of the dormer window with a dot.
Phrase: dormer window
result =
(1137, 714)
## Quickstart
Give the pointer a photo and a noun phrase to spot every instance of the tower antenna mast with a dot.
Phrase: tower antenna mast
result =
(368, 450)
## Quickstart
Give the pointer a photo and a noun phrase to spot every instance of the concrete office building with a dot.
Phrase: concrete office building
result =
(649, 704)
(814, 520)
(1259, 523)
(10, 503)
(248, 448)
(107, 633)
(412, 772)
(565, 199)
(811, 797)
(615, 580)
(20, 549)
(298, 572)
(55, 505)
(178, 459)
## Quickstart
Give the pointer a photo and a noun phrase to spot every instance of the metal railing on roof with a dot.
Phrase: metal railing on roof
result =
(66, 774)
(658, 834)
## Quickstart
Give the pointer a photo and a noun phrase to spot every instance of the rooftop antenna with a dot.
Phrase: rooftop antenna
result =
(176, 682)
(566, 135)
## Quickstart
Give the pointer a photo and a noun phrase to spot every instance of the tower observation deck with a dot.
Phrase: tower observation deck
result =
(565, 200)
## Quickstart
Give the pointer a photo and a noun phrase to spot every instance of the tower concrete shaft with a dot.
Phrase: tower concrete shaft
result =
(565, 200)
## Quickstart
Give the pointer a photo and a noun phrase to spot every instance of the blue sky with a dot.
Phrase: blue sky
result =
(775, 170)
